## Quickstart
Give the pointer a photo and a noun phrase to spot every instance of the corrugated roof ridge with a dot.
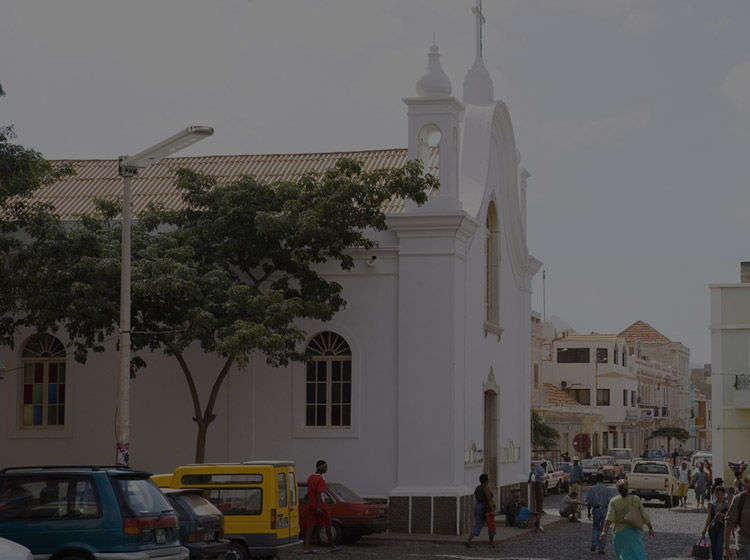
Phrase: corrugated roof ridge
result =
(221, 156)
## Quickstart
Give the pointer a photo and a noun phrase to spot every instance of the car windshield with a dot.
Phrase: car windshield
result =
(141, 496)
(345, 494)
(590, 464)
(655, 453)
(650, 468)
(620, 454)
(606, 460)
(200, 505)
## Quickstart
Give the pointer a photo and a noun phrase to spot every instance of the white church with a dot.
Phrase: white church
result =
(418, 385)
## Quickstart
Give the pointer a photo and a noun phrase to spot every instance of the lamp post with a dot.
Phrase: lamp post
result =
(128, 168)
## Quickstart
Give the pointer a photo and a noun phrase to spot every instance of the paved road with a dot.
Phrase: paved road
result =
(675, 534)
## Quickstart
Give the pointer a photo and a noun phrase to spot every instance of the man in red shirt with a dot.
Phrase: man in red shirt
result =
(316, 515)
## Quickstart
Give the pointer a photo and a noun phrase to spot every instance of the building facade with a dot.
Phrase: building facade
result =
(730, 372)
(417, 387)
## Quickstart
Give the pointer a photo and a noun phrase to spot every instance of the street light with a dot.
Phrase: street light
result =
(128, 168)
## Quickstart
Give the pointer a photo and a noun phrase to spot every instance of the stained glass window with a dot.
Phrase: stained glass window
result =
(328, 382)
(44, 382)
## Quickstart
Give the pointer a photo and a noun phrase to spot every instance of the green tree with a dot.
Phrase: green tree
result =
(670, 432)
(23, 222)
(231, 273)
(543, 436)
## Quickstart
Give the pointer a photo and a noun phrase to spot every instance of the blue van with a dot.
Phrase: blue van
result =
(85, 512)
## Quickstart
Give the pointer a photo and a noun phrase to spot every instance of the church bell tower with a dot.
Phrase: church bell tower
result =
(434, 124)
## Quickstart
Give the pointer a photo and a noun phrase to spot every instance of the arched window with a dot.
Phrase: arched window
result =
(44, 382)
(328, 385)
(492, 252)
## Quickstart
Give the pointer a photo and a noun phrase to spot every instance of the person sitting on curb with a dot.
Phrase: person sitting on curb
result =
(570, 506)
(512, 509)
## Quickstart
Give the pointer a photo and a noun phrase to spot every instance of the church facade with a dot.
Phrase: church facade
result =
(417, 386)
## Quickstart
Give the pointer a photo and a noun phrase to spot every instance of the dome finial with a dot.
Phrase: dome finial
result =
(478, 88)
(435, 83)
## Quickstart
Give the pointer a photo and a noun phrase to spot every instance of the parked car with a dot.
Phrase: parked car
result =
(590, 467)
(351, 516)
(88, 512)
(609, 468)
(555, 480)
(258, 500)
(14, 551)
(623, 457)
(201, 524)
(653, 480)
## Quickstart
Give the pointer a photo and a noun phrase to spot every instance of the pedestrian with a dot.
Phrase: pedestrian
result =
(597, 500)
(627, 536)
(316, 515)
(739, 516)
(683, 482)
(570, 506)
(700, 483)
(484, 511)
(536, 483)
(717, 511)
(675, 455)
(576, 476)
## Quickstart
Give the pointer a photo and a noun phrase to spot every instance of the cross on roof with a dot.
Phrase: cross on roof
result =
(477, 11)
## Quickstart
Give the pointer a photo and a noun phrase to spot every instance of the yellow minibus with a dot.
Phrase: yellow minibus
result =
(258, 500)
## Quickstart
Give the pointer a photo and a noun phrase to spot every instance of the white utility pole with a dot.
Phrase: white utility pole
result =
(128, 169)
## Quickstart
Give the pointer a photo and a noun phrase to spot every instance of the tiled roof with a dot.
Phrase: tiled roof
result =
(640, 330)
(98, 178)
(555, 396)
(593, 337)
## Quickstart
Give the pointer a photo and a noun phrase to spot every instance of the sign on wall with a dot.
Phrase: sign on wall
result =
(511, 453)
(473, 455)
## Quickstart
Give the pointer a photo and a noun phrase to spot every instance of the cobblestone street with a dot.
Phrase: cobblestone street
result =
(676, 532)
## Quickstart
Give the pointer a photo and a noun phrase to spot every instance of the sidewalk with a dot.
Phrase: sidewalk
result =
(504, 533)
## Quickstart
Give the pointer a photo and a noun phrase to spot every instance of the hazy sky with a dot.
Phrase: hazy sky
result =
(633, 116)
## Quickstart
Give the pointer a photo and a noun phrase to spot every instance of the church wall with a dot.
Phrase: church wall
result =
(162, 432)
(508, 358)
(364, 456)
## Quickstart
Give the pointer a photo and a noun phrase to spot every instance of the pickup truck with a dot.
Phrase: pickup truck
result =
(651, 480)
(555, 480)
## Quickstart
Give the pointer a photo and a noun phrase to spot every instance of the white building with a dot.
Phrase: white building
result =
(730, 373)
(420, 383)
(593, 370)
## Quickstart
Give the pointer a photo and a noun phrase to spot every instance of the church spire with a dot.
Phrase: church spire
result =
(478, 88)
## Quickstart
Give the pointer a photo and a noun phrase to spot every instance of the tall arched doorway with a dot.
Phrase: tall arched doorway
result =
(490, 436)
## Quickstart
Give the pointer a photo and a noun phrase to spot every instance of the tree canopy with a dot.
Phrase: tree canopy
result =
(232, 272)
(670, 432)
(543, 436)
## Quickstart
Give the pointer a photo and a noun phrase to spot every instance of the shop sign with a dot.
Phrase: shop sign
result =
(647, 414)
(632, 415)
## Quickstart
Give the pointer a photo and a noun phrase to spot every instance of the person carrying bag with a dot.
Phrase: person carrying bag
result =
(717, 510)
(628, 516)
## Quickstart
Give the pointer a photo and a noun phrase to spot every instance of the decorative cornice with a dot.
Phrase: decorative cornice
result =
(462, 226)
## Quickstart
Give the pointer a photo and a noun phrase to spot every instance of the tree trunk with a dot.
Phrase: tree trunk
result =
(200, 441)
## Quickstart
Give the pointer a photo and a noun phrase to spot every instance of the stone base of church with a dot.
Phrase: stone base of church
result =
(439, 515)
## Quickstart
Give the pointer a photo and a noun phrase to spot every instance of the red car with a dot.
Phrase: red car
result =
(351, 516)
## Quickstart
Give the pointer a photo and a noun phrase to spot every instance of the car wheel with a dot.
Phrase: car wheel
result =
(237, 551)
(668, 502)
(335, 535)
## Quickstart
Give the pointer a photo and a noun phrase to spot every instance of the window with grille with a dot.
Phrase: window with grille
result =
(328, 383)
(44, 383)
(601, 355)
(492, 254)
